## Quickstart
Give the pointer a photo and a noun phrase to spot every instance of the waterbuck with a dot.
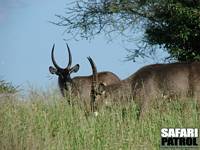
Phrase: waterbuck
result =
(79, 86)
(154, 82)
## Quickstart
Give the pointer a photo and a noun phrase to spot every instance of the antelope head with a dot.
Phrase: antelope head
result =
(64, 74)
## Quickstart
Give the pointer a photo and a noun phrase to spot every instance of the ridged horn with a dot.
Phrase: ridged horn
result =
(94, 69)
(53, 59)
(70, 58)
(94, 83)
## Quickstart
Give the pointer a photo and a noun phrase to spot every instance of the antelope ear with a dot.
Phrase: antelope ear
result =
(52, 70)
(101, 87)
(75, 68)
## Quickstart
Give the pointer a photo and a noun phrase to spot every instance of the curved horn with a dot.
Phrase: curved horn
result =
(94, 69)
(94, 83)
(70, 57)
(53, 59)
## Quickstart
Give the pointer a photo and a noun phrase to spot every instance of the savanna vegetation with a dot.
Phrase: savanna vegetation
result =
(45, 120)
(7, 87)
(150, 25)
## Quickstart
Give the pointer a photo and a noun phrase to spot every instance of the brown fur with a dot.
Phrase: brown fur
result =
(81, 85)
(180, 80)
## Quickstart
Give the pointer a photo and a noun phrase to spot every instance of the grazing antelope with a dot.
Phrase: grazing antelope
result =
(174, 80)
(81, 85)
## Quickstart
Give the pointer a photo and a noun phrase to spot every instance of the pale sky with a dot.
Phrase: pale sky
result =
(26, 39)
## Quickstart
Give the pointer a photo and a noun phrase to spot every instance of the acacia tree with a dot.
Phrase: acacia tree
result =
(174, 25)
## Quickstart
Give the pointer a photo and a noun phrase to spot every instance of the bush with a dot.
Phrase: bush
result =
(7, 87)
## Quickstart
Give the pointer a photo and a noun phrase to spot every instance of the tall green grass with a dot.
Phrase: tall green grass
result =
(45, 121)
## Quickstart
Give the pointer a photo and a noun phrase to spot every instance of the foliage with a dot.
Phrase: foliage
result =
(174, 25)
(6, 87)
(177, 27)
(46, 121)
